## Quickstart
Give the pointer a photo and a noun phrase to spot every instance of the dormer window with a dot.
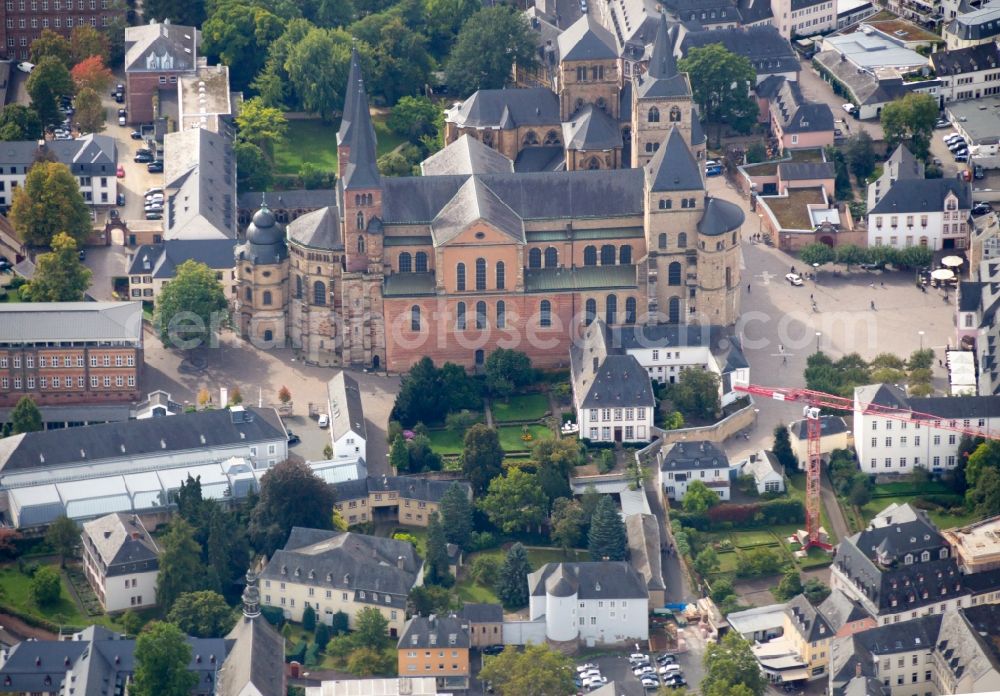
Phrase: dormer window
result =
(908, 559)
(284, 570)
(925, 556)
(943, 553)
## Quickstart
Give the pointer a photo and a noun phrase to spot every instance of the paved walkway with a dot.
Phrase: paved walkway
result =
(833, 510)
(675, 575)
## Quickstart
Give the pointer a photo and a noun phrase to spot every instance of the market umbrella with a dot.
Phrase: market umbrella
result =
(943, 274)
(952, 261)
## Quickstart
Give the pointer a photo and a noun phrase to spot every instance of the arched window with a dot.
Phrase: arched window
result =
(530, 138)
(611, 309)
(501, 270)
(357, 199)
(590, 256)
(480, 315)
(480, 274)
(625, 254)
(608, 255)
(545, 314)
(590, 313)
(319, 292)
(267, 297)
(674, 273)
(674, 312)
(682, 240)
(654, 115)
(421, 259)
(460, 276)
(368, 199)
(501, 314)
(298, 287)
(415, 318)
(593, 163)
(551, 138)
(361, 220)
(675, 114)
(480, 356)
(535, 258)
(361, 244)
(405, 262)
(630, 310)
(268, 335)
(729, 278)
(248, 294)
(460, 316)
(551, 257)
(663, 240)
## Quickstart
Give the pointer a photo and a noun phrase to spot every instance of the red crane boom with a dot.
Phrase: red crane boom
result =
(814, 401)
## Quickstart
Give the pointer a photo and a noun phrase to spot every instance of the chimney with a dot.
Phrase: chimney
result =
(135, 535)
(857, 670)
(400, 562)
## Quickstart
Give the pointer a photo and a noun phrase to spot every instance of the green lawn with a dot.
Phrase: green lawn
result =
(527, 407)
(446, 442)
(15, 590)
(744, 540)
(943, 519)
(316, 142)
(729, 561)
(901, 488)
(470, 591)
(510, 437)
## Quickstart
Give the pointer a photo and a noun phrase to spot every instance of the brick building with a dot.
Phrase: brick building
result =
(24, 20)
(156, 56)
(70, 352)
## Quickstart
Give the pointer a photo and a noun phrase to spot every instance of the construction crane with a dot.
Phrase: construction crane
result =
(814, 401)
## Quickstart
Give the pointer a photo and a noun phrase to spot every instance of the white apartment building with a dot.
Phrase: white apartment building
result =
(933, 213)
(804, 17)
(348, 432)
(92, 159)
(684, 462)
(121, 562)
(890, 446)
(968, 73)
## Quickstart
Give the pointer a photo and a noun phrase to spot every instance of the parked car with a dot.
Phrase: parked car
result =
(962, 157)
(982, 208)
(293, 439)
(493, 649)
(153, 191)
(154, 215)
(142, 158)
(112, 214)
(5, 265)
(977, 172)
(121, 199)
(121, 117)
(135, 135)
(26, 67)
(155, 167)
(948, 137)
(942, 123)
(793, 278)
(713, 169)
(324, 420)
(120, 172)
(849, 108)
(837, 133)
(666, 659)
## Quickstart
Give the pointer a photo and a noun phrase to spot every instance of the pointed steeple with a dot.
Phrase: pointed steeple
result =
(673, 167)
(350, 93)
(662, 63)
(362, 169)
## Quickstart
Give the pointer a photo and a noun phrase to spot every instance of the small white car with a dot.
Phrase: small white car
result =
(639, 671)
(584, 668)
(951, 136)
(793, 278)
(670, 669)
(849, 108)
(26, 67)
(324, 420)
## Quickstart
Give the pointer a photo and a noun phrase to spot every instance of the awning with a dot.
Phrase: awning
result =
(794, 675)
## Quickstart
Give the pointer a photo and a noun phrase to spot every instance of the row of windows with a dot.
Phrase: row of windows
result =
(406, 262)
(57, 5)
(653, 116)
(500, 275)
(544, 313)
(127, 360)
(67, 382)
(904, 462)
(22, 23)
(631, 433)
(618, 414)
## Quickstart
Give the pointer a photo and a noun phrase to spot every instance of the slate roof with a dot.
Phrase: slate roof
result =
(970, 294)
(346, 411)
(673, 167)
(705, 12)
(719, 217)
(591, 580)
(904, 165)
(264, 239)
(319, 229)
(543, 158)
(586, 39)
(146, 47)
(839, 610)
(764, 46)
(645, 548)
(361, 171)
(83, 322)
(865, 648)
(796, 114)
(87, 155)
(809, 623)
(161, 260)
(661, 78)
(614, 381)
(354, 79)
(591, 129)
(965, 60)
(255, 663)
(474, 201)
(828, 425)
(122, 543)
(508, 108)
(922, 196)
(409, 285)
(697, 454)
(288, 200)
(448, 632)
(482, 613)
(348, 561)
(410, 487)
(580, 278)
(185, 431)
(200, 177)
(982, 23)
(753, 11)
(723, 345)
(466, 156)
(956, 407)
(761, 465)
(800, 171)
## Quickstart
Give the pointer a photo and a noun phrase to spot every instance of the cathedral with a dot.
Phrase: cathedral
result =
(541, 214)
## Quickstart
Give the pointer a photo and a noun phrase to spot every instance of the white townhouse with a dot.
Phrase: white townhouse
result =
(933, 213)
(120, 561)
(92, 159)
(684, 462)
(889, 446)
(348, 432)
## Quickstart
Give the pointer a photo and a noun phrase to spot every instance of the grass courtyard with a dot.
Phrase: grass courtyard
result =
(449, 442)
(315, 142)
(944, 519)
(470, 591)
(15, 591)
(526, 407)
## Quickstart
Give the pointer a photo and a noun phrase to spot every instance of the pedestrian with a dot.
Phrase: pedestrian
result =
(811, 298)
(872, 285)
(781, 348)
(748, 288)
(940, 362)
(873, 304)
(784, 360)
(882, 282)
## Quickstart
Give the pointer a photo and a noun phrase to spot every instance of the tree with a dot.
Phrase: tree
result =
(291, 495)
(399, 455)
(399, 57)
(339, 623)
(721, 589)
(859, 150)
(842, 177)
(8, 542)
(19, 122)
(607, 539)
(371, 629)
(427, 393)
(984, 498)
(322, 635)
(49, 44)
(986, 456)
(238, 32)
(482, 456)
(706, 562)
(86, 42)
(910, 121)
(861, 492)
(456, 515)
(180, 563)
(512, 581)
(721, 81)
(485, 570)
(850, 254)
(366, 662)
(395, 163)
(131, 622)
(162, 655)
(489, 44)
(317, 68)
(254, 172)
(699, 497)
(817, 253)
(696, 394)
(413, 117)
(914, 257)
(730, 662)
(59, 275)
(46, 586)
(566, 523)
(790, 586)
(191, 307)
(235, 396)
(284, 395)
(90, 115)
(91, 73)
(815, 591)
(431, 599)
(262, 125)
(185, 12)
(272, 83)
(507, 370)
(329, 13)
(309, 619)
(782, 449)
(202, 614)
(63, 536)
(537, 671)
(48, 81)
(515, 501)
(25, 418)
(444, 20)
(422, 456)
(436, 561)
(48, 203)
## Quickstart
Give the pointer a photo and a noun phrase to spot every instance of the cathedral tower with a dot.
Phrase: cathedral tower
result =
(262, 281)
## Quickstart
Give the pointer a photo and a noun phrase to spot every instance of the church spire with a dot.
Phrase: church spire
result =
(251, 596)
(350, 94)
(662, 63)
(362, 169)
